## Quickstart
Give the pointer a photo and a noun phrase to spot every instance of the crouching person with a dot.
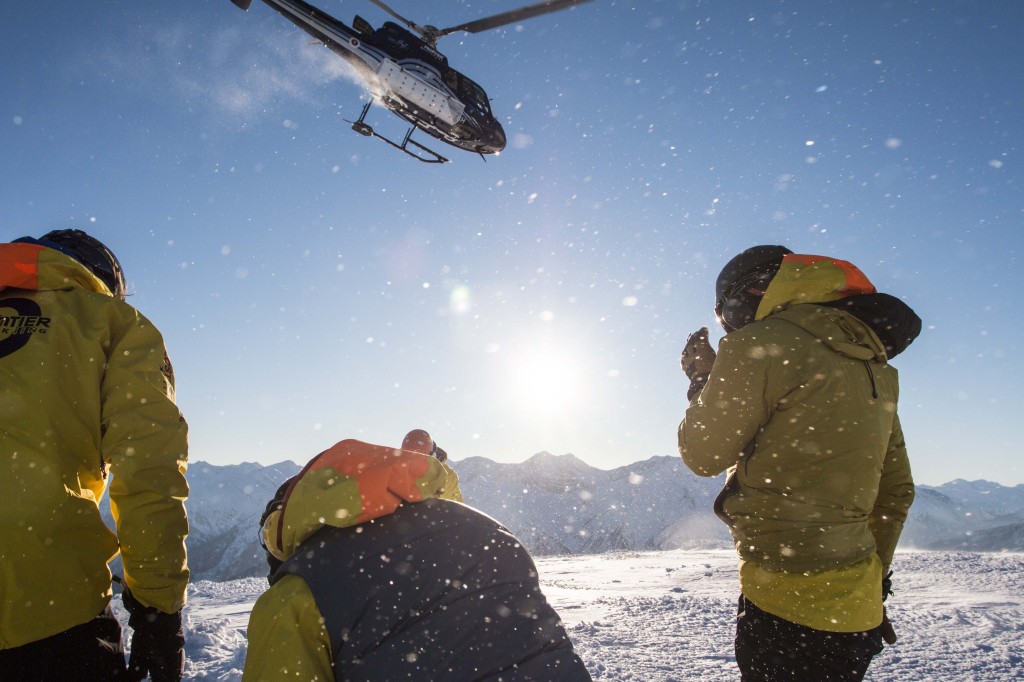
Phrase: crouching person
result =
(378, 572)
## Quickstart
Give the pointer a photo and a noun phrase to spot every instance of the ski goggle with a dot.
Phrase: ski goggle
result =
(737, 307)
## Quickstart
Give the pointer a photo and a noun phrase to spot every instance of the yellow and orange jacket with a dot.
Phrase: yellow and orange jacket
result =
(85, 390)
(351, 483)
(801, 409)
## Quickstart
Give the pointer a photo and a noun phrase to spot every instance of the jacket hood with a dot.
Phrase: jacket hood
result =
(881, 325)
(811, 279)
(36, 267)
(895, 323)
(351, 483)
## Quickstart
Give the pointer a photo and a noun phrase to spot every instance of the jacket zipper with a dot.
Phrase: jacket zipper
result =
(871, 376)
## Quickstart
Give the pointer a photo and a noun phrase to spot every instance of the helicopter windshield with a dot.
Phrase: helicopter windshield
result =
(468, 90)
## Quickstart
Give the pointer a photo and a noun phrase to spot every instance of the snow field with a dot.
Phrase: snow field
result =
(668, 616)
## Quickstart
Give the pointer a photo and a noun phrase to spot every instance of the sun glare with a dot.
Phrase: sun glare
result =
(545, 379)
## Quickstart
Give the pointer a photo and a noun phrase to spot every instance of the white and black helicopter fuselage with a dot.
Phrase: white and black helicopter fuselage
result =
(407, 76)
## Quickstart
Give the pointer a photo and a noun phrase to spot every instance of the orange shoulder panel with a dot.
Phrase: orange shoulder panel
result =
(386, 476)
(19, 265)
(856, 281)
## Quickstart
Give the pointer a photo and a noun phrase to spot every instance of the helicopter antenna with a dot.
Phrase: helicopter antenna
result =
(432, 34)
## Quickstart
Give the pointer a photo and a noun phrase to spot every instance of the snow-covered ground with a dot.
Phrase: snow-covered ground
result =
(662, 616)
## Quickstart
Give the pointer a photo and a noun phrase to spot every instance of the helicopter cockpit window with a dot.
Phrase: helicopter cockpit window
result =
(472, 91)
(451, 79)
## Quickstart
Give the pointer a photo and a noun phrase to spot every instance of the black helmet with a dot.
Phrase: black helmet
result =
(742, 283)
(91, 253)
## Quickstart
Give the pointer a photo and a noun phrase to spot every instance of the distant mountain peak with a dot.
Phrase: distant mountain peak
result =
(546, 460)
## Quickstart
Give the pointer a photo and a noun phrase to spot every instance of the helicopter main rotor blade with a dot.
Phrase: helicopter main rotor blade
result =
(510, 17)
(411, 24)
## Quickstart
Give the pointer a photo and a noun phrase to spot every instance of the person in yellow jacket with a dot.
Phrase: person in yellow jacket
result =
(378, 572)
(799, 405)
(86, 399)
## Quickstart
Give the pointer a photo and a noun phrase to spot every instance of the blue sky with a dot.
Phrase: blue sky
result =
(314, 285)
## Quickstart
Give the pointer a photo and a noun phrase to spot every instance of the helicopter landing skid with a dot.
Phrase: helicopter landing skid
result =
(364, 128)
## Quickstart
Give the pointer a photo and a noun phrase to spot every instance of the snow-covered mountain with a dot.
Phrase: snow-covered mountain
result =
(972, 515)
(554, 504)
(224, 508)
(561, 505)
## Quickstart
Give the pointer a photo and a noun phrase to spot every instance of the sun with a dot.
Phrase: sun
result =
(545, 378)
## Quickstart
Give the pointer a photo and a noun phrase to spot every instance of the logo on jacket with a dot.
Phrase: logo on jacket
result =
(16, 330)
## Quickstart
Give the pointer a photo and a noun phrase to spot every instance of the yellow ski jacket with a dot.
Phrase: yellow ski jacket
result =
(86, 390)
(801, 409)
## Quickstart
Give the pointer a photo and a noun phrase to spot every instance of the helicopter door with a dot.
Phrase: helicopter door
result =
(398, 81)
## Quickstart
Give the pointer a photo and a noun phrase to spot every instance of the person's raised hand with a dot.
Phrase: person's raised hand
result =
(697, 360)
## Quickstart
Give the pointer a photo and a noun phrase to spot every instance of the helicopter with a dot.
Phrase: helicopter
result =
(408, 75)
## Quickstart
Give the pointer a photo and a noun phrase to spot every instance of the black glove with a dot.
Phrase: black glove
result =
(697, 360)
(888, 633)
(158, 645)
(440, 454)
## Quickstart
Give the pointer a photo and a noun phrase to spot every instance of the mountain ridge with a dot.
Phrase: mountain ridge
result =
(559, 504)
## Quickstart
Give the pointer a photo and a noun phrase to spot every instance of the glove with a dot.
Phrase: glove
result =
(888, 633)
(697, 360)
(440, 454)
(158, 644)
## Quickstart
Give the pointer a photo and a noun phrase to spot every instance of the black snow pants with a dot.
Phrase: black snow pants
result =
(90, 652)
(770, 649)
